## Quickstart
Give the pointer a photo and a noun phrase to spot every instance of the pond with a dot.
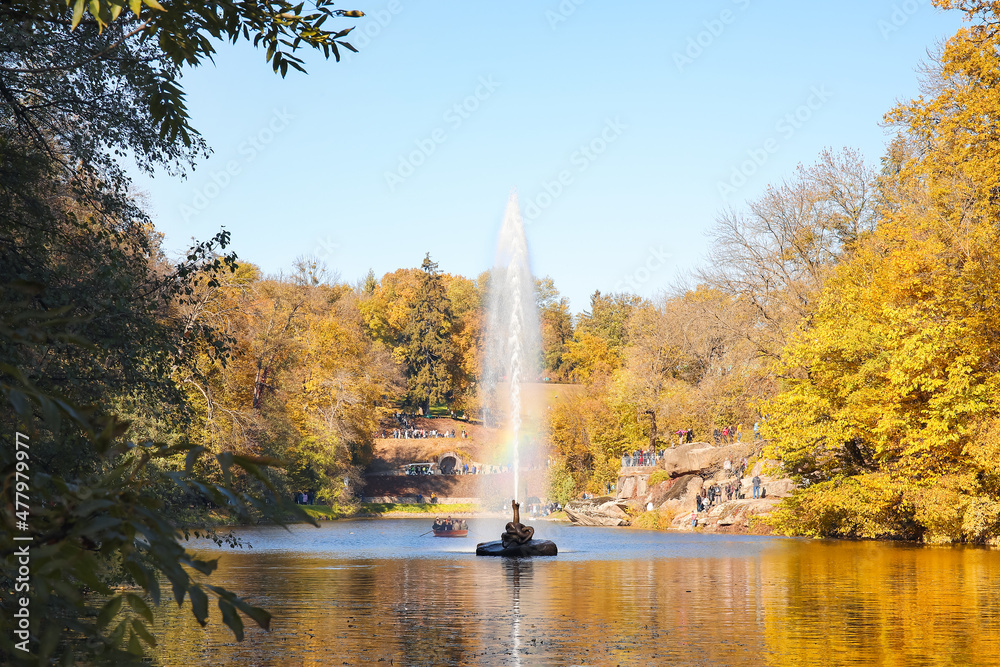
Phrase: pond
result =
(377, 591)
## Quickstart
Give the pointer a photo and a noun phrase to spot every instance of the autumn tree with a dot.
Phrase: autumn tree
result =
(467, 339)
(556, 323)
(601, 334)
(339, 389)
(774, 256)
(890, 408)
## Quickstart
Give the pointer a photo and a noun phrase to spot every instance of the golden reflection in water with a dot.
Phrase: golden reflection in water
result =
(880, 604)
(794, 602)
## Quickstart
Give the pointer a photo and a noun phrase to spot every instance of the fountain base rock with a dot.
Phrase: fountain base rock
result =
(529, 548)
(517, 540)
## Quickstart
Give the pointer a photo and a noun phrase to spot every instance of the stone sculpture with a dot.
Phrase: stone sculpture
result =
(517, 541)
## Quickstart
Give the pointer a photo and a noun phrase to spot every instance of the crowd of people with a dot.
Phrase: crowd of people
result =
(464, 469)
(684, 435)
(449, 524)
(543, 509)
(642, 457)
(479, 469)
(408, 430)
(734, 433)
(716, 493)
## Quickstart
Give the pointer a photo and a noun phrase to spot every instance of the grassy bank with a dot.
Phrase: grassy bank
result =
(417, 508)
(330, 512)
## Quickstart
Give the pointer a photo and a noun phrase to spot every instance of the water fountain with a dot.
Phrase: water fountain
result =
(512, 353)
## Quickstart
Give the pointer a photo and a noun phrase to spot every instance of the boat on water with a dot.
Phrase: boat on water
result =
(450, 528)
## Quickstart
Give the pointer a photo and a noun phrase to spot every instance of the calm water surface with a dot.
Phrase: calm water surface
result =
(376, 592)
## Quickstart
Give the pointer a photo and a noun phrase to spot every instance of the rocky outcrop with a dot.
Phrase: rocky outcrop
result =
(730, 515)
(695, 458)
(597, 512)
(679, 489)
(695, 465)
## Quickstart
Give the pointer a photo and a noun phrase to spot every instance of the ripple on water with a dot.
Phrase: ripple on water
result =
(356, 592)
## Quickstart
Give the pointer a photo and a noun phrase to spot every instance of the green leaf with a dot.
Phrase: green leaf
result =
(119, 632)
(199, 604)
(98, 524)
(260, 616)
(138, 573)
(77, 14)
(90, 506)
(192, 458)
(108, 611)
(179, 591)
(50, 640)
(140, 629)
(139, 606)
(231, 618)
(134, 647)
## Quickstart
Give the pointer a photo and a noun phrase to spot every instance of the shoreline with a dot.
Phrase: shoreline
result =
(425, 511)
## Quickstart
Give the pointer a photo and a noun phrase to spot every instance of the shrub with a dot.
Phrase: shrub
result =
(658, 477)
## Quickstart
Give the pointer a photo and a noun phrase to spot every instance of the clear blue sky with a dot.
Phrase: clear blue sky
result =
(661, 132)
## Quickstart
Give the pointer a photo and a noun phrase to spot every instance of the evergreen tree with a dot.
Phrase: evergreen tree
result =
(425, 342)
(371, 283)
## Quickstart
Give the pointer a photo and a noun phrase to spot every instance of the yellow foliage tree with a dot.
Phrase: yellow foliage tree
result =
(892, 396)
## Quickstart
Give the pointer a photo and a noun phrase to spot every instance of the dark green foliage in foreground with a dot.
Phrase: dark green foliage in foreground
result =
(90, 334)
(95, 518)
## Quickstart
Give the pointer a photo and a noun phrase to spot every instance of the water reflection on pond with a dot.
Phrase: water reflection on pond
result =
(377, 592)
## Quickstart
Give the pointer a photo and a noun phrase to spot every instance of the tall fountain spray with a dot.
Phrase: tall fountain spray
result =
(512, 354)
(513, 339)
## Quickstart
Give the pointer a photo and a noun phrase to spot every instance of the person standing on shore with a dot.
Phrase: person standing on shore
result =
(694, 520)
(756, 486)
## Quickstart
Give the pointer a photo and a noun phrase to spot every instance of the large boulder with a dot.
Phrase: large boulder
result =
(691, 458)
(677, 492)
(597, 512)
(729, 513)
(777, 488)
